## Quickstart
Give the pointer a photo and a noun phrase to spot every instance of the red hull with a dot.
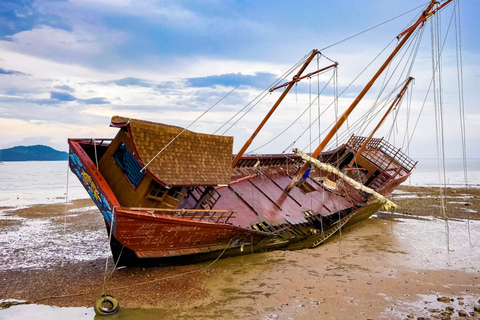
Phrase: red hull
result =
(252, 213)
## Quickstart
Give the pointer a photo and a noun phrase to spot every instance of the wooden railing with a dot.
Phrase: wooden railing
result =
(383, 159)
(214, 216)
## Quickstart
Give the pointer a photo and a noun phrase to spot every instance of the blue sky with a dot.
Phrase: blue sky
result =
(66, 67)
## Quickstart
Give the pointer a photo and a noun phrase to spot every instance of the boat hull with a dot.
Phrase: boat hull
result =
(253, 214)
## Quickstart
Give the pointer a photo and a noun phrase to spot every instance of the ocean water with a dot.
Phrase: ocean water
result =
(26, 183)
(42, 182)
(426, 173)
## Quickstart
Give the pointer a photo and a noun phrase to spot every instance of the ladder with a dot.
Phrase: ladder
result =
(333, 230)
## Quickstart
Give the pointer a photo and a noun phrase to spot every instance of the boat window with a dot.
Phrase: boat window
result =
(158, 192)
(176, 192)
(129, 165)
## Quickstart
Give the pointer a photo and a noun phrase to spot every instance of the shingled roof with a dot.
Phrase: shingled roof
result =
(192, 159)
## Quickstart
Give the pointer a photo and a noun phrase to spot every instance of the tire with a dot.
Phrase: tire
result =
(106, 305)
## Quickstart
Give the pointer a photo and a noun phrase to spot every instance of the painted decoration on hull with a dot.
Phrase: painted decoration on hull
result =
(95, 193)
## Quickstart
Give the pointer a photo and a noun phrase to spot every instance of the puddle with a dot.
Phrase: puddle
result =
(440, 244)
(41, 312)
(432, 308)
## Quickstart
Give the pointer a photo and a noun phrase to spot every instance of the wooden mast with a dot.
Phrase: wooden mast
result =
(394, 104)
(406, 35)
(296, 78)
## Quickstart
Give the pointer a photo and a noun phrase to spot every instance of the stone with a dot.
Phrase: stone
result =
(410, 316)
(462, 313)
(446, 316)
(477, 308)
(443, 299)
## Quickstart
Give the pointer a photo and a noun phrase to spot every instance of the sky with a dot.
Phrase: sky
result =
(67, 67)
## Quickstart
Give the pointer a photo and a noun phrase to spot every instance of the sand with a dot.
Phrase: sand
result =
(392, 266)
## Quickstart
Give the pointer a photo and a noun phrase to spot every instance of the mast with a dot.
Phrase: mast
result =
(289, 85)
(394, 104)
(406, 35)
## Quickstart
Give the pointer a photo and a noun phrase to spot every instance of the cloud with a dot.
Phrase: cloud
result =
(18, 16)
(3, 71)
(65, 88)
(46, 101)
(97, 100)
(62, 96)
(86, 60)
(131, 82)
(258, 80)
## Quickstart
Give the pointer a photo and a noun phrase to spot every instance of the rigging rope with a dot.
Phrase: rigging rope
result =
(461, 105)
(349, 85)
(318, 100)
(376, 26)
(65, 217)
(437, 101)
(291, 124)
(194, 121)
(261, 96)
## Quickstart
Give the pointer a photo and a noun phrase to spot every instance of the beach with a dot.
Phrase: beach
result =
(391, 266)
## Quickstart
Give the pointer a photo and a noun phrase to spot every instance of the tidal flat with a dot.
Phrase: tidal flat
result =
(391, 266)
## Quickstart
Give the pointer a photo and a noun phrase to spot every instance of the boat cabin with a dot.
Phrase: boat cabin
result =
(186, 162)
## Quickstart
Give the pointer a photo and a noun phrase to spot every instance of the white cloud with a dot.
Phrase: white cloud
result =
(16, 132)
(164, 12)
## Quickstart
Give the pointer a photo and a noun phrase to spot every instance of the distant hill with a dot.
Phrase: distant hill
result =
(32, 153)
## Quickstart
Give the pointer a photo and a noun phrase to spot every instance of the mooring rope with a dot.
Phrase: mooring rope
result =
(65, 217)
(136, 284)
(112, 219)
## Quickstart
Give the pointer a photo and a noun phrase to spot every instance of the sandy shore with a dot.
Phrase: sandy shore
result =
(389, 267)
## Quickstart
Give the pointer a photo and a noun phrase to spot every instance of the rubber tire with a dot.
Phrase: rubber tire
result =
(106, 305)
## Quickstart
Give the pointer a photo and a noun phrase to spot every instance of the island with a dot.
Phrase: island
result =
(32, 153)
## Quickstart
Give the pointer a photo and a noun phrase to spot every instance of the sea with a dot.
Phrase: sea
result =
(46, 182)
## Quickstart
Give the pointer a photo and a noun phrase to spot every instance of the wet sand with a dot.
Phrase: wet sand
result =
(388, 267)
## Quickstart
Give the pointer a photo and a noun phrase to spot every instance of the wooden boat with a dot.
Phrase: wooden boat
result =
(168, 194)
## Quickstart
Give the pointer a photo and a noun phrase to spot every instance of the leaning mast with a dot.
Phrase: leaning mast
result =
(429, 11)
(394, 104)
(289, 85)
